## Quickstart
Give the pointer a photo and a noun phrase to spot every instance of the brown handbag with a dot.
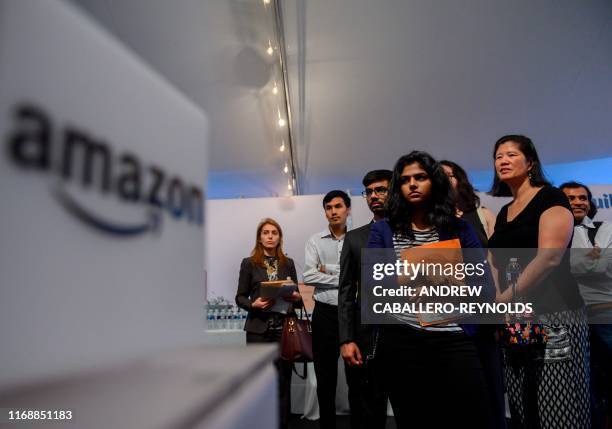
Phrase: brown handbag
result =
(296, 339)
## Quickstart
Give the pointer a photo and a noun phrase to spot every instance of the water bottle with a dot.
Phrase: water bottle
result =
(513, 272)
(215, 324)
(223, 319)
(243, 317)
(229, 318)
(210, 319)
(234, 318)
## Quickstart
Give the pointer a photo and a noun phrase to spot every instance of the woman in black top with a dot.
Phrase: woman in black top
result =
(548, 385)
(267, 263)
(482, 221)
(468, 205)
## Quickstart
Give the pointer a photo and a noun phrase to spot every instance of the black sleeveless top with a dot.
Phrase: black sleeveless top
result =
(519, 237)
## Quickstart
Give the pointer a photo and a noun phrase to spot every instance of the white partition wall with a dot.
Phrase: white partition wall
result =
(102, 179)
(231, 227)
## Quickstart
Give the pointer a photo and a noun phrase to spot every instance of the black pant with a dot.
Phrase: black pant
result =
(367, 396)
(490, 355)
(434, 379)
(601, 374)
(283, 368)
(326, 351)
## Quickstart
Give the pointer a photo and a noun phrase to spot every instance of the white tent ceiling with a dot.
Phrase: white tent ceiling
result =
(372, 80)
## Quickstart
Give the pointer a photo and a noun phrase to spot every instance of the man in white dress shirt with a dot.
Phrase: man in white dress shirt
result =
(322, 270)
(591, 262)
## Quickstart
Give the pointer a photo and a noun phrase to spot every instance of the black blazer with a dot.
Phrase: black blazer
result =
(249, 281)
(349, 302)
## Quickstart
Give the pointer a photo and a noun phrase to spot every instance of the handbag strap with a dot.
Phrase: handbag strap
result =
(305, 370)
(303, 311)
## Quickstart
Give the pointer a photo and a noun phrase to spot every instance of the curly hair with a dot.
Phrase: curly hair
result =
(440, 205)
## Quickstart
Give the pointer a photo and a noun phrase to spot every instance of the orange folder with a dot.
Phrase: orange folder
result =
(443, 252)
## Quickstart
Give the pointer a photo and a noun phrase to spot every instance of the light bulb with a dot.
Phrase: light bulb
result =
(286, 169)
(275, 89)
(282, 146)
(266, 1)
(281, 121)
(270, 50)
(289, 185)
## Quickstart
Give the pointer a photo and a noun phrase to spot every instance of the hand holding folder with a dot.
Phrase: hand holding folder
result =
(277, 290)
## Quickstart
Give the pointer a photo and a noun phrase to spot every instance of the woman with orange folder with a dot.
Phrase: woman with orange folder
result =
(267, 263)
(434, 375)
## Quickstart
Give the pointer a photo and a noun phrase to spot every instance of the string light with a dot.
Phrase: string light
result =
(282, 118)
(281, 121)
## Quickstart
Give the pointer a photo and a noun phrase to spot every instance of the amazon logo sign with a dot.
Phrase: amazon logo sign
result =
(36, 143)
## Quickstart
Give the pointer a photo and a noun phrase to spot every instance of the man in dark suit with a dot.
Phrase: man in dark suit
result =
(367, 399)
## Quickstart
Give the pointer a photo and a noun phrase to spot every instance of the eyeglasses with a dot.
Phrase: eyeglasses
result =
(380, 191)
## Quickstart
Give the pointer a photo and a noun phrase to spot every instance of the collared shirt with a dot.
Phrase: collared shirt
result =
(594, 276)
(323, 248)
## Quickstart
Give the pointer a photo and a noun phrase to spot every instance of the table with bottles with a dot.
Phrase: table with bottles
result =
(224, 317)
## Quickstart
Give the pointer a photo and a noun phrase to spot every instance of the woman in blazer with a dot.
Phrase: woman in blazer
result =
(267, 263)
(434, 375)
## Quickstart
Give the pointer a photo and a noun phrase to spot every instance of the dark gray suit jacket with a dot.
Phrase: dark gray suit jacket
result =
(249, 283)
(349, 308)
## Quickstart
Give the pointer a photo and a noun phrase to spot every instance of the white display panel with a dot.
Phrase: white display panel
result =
(94, 269)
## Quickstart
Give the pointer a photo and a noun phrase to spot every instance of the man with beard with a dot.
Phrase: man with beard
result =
(367, 399)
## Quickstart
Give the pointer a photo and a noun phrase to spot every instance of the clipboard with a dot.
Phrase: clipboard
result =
(276, 290)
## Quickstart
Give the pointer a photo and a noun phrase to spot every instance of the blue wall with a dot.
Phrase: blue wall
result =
(594, 172)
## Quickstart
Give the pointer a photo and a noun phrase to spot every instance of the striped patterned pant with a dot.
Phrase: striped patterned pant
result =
(548, 387)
